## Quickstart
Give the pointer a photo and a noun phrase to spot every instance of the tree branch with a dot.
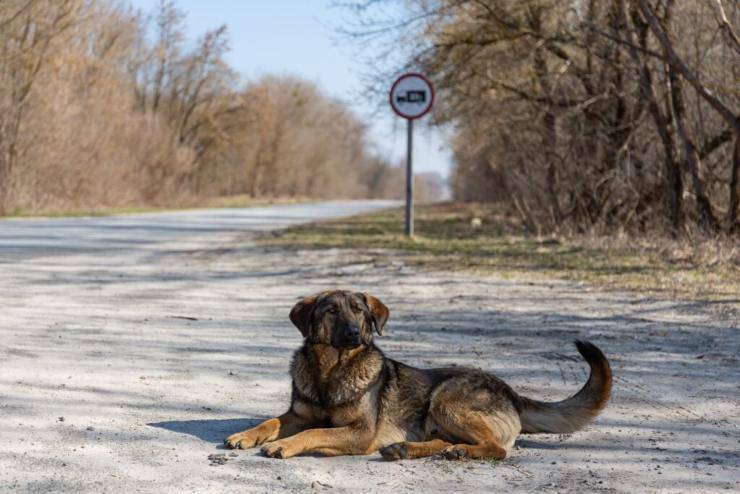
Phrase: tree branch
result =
(677, 62)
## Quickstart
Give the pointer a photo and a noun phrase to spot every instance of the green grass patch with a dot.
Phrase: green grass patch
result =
(481, 238)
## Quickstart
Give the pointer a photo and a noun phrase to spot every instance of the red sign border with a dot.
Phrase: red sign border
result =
(404, 76)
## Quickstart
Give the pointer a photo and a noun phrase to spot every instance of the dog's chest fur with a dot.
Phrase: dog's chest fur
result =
(323, 375)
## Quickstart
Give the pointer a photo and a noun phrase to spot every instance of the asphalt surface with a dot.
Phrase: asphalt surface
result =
(25, 238)
(131, 346)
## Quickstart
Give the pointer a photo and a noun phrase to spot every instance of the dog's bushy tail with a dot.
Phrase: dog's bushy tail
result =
(574, 413)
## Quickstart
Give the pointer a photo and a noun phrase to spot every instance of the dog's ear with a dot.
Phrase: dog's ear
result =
(300, 314)
(379, 312)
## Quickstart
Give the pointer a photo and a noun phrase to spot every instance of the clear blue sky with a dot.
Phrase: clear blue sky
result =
(297, 37)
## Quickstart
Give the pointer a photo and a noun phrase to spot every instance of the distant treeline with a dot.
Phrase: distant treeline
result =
(608, 115)
(103, 106)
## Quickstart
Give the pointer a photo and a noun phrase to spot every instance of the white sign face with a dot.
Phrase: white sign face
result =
(412, 96)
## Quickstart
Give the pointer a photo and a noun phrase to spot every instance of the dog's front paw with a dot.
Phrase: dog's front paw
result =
(396, 451)
(241, 440)
(276, 450)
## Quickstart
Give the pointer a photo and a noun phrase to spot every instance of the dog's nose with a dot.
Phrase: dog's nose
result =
(352, 331)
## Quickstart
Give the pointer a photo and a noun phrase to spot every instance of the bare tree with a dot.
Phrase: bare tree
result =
(29, 28)
(101, 105)
(558, 104)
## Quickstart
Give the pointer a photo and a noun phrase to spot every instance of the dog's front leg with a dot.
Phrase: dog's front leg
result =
(348, 440)
(280, 427)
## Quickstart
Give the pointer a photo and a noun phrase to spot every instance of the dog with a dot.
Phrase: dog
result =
(348, 398)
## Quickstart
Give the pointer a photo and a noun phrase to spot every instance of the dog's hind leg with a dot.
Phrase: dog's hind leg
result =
(477, 415)
(408, 450)
(481, 441)
(475, 436)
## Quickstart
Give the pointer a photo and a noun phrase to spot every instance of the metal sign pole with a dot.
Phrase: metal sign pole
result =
(409, 178)
(411, 97)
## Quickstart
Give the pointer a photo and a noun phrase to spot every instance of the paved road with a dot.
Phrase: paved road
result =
(131, 346)
(86, 308)
(27, 238)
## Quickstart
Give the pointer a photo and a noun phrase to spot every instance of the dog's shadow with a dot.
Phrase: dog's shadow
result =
(212, 431)
(216, 430)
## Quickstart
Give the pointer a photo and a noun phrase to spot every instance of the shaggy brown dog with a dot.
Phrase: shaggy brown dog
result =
(349, 399)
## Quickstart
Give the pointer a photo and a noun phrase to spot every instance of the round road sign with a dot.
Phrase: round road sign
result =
(412, 96)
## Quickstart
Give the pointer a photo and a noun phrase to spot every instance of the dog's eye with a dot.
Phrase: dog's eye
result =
(332, 310)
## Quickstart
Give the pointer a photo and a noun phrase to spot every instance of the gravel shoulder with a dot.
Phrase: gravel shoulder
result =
(123, 367)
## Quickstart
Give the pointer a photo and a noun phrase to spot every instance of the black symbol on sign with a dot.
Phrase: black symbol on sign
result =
(412, 97)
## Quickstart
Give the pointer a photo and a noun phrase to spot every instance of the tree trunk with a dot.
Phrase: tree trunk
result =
(732, 224)
(673, 179)
(549, 142)
(707, 219)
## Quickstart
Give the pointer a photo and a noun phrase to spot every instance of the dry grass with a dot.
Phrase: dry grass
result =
(233, 201)
(480, 238)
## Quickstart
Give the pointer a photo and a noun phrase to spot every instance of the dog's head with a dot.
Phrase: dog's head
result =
(340, 318)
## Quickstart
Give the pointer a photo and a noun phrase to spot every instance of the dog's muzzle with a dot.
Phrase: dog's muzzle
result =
(349, 337)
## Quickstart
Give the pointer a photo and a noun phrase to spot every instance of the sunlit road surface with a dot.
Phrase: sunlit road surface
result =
(107, 334)
(32, 237)
(131, 346)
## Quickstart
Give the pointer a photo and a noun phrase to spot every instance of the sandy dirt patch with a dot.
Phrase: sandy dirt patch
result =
(123, 370)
